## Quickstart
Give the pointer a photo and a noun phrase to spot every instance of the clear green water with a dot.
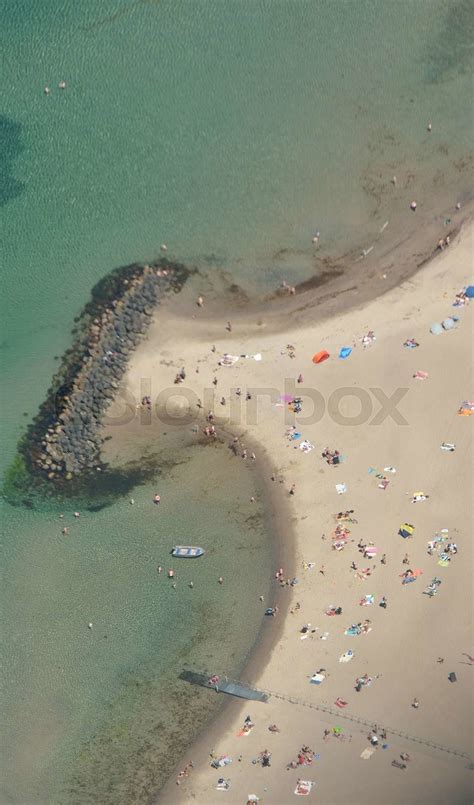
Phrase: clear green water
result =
(229, 130)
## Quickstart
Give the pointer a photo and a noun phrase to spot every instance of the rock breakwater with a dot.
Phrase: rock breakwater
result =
(64, 441)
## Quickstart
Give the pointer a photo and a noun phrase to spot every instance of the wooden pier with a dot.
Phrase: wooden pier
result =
(225, 685)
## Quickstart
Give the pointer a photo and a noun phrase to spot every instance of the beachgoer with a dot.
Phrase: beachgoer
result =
(300, 378)
(413, 206)
(292, 489)
(415, 704)
(406, 560)
(200, 301)
(220, 580)
(383, 560)
(229, 327)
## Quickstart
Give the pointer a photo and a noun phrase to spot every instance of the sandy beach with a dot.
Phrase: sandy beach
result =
(386, 409)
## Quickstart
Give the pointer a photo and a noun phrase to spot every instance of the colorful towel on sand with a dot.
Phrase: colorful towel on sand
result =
(303, 788)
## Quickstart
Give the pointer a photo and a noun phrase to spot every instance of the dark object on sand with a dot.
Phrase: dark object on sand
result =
(452, 677)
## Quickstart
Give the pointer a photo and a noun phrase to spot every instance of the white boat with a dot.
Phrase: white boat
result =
(187, 551)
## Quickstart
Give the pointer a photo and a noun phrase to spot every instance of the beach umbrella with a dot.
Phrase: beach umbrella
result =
(406, 530)
(345, 352)
(469, 291)
(320, 356)
(436, 329)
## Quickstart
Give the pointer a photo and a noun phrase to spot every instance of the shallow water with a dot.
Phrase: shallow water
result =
(83, 704)
(230, 131)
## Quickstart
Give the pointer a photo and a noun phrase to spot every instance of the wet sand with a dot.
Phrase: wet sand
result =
(407, 637)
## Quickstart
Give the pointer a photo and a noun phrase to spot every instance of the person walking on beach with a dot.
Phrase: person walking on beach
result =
(406, 560)
(292, 489)
(383, 560)
(229, 327)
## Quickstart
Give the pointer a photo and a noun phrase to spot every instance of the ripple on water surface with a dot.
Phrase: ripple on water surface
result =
(98, 714)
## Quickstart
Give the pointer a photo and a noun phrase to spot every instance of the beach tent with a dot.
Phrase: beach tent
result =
(320, 356)
(406, 530)
(469, 291)
(436, 329)
(345, 352)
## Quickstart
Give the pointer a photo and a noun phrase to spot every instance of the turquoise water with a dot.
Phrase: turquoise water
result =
(230, 131)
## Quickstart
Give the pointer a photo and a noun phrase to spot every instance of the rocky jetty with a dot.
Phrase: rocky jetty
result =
(64, 441)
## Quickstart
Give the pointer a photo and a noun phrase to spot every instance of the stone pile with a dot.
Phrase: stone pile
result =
(65, 439)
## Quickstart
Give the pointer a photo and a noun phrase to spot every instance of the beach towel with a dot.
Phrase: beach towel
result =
(449, 323)
(367, 753)
(347, 656)
(419, 375)
(352, 630)
(371, 551)
(340, 702)
(228, 360)
(225, 760)
(303, 788)
(341, 488)
(244, 732)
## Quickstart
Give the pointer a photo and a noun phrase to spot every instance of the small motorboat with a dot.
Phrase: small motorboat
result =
(187, 551)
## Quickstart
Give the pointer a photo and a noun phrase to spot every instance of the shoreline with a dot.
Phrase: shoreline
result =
(231, 711)
(302, 308)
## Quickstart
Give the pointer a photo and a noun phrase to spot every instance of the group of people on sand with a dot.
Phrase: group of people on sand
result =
(305, 757)
(331, 456)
